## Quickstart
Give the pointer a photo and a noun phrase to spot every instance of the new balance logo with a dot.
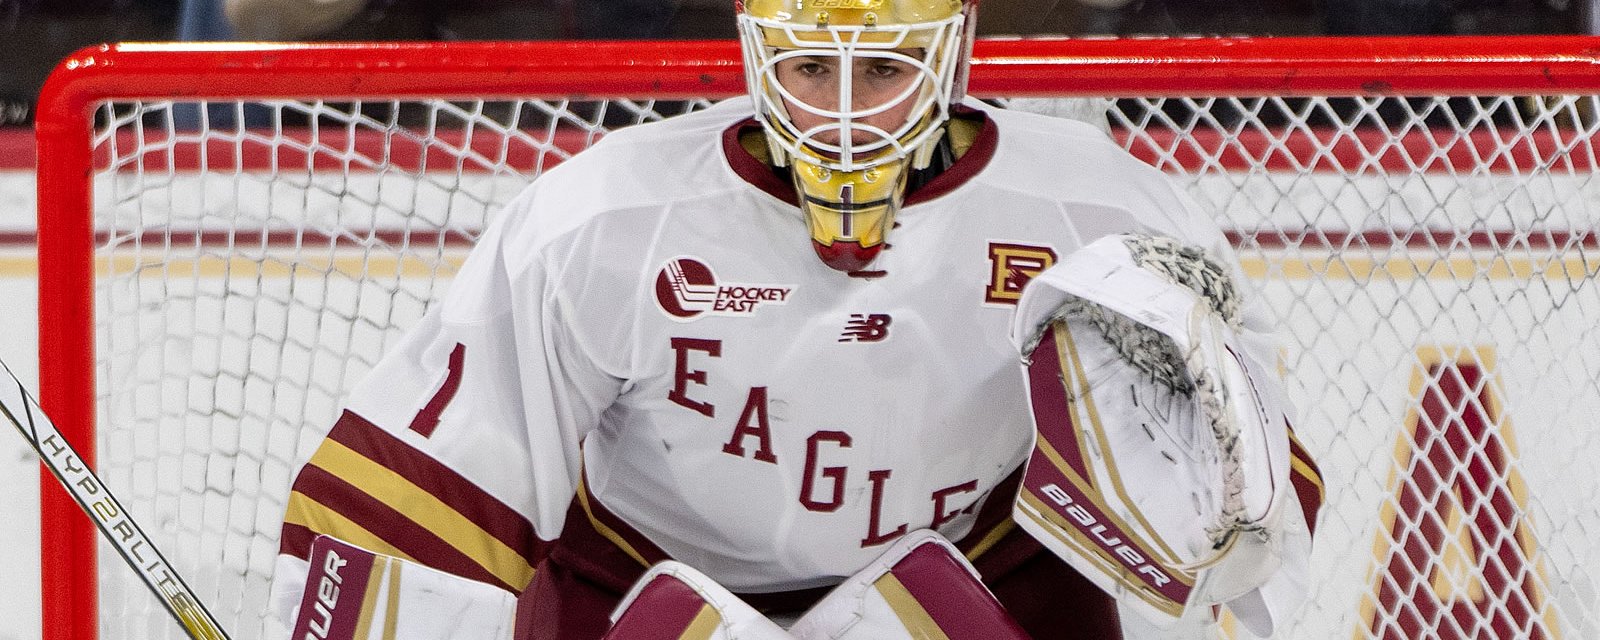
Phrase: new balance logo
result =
(866, 327)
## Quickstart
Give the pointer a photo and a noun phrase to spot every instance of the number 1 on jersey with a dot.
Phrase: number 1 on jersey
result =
(428, 418)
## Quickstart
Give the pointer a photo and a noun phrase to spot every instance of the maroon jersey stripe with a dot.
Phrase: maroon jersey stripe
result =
(603, 521)
(994, 514)
(460, 494)
(392, 525)
(1307, 487)
(295, 540)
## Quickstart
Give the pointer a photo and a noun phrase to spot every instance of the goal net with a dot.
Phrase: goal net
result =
(232, 235)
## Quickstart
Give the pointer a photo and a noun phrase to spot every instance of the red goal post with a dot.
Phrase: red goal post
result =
(1419, 212)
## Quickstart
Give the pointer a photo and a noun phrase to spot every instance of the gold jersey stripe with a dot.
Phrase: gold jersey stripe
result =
(906, 607)
(1307, 472)
(1302, 465)
(425, 509)
(313, 515)
(991, 539)
(601, 528)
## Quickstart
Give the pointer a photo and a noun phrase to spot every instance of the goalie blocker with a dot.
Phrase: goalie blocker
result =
(1162, 466)
(355, 594)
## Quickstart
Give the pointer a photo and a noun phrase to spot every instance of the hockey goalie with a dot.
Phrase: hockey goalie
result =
(729, 362)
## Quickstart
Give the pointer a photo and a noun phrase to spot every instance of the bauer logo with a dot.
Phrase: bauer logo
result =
(686, 289)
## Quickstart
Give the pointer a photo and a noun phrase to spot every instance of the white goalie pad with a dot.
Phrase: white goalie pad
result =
(921, 587)
(1161, 462)
(672, 600)
(355, 594)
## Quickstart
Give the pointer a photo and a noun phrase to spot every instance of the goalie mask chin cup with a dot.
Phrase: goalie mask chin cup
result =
(849, 213)
(849, 164)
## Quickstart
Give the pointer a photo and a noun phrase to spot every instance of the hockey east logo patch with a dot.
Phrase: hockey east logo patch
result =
(687, 288)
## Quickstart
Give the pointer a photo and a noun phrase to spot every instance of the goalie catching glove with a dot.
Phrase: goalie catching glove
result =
(1160, 468)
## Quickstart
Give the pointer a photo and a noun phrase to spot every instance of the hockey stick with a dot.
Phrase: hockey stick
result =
(115, 523)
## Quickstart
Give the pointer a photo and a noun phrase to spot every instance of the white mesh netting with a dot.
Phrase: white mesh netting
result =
(1430, 261)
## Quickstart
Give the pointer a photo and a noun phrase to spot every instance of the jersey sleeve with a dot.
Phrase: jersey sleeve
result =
(460, 450)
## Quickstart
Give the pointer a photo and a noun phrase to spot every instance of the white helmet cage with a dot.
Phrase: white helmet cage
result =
(940, 45)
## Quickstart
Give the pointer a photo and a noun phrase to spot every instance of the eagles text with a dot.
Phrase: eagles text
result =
(822, 485)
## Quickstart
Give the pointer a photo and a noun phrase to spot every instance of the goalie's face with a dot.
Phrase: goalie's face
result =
(854, 109)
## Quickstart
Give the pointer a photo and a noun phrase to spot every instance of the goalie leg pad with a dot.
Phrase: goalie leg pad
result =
(675, 602)
(921, 587)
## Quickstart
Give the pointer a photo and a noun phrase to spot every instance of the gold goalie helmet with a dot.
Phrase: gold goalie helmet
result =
(848, 165)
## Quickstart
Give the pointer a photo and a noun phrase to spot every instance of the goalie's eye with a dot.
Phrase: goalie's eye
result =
(882, 69)
(812, 69)
(803, 70)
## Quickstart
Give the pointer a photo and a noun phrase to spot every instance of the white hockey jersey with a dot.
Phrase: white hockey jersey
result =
(649, 318)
